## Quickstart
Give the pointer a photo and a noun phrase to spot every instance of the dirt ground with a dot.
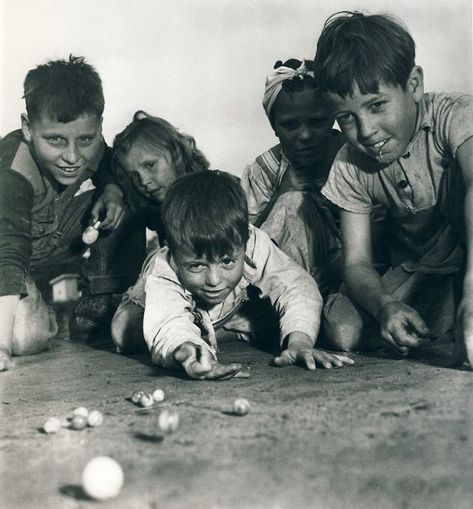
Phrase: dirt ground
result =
(384, 433)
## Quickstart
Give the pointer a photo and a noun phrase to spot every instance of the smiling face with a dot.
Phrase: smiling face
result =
(302, 123)
(210, 281)
(380, 124)
(65, 150)
(151, 170)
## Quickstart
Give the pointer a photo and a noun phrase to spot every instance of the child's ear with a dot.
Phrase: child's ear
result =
(25, 127)
(415, 83)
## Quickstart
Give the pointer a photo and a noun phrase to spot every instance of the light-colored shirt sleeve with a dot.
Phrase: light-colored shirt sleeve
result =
(453, 121)
(258, 189)
(168, 320)
(347, 186)
(293, 293)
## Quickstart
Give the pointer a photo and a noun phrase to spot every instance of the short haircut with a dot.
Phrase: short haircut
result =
(206, 213)
(63, 90)
(361, 51)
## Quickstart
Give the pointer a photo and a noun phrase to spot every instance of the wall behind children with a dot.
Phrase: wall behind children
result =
(201, 64)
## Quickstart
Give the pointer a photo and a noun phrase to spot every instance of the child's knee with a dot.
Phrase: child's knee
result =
(342, 325)
(127, 327)
(33, 335)
(29, 345)
(118, 328)
(342, 337)
(35, 324)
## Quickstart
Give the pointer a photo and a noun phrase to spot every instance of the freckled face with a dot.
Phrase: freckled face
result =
(65, 149)
(302, 123)
(210, 281)
(380, 125)
(151, 171)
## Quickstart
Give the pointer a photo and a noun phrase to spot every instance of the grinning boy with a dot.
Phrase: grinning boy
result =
(412, 152)
(54, 181)
(205, 278)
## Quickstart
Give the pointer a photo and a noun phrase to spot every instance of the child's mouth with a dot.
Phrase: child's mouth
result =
(70, 171)
(377, 149)
(214, 294)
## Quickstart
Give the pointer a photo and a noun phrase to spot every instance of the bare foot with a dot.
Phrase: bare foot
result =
(5, 361)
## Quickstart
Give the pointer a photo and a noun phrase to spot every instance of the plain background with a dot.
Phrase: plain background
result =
(201, 64)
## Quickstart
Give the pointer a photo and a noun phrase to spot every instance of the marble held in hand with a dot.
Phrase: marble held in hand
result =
(91, 233)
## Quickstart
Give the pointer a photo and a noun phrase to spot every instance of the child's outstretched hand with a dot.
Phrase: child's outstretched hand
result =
(199, 364)
(300, 351)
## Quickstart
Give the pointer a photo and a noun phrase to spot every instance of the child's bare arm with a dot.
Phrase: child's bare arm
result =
(464, 346)
(200, 364)
(401, 326)
(8, 305)
(300, 350)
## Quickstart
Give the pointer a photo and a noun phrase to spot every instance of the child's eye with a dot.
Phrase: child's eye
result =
(345, 119)
(290, 126)
(150, 165)
(318, 123)
(227, 262)
(377, 106)
(195, 267)
(85, 140)
(55, 140)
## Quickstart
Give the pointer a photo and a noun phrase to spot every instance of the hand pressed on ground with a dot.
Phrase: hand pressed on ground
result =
(300, 351)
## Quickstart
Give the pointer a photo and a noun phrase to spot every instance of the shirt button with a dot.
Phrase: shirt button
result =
(402, 184)
(406, 155)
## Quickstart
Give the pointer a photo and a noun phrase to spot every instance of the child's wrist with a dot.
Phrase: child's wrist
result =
(384, 302)
(299, 340)
(112, 192)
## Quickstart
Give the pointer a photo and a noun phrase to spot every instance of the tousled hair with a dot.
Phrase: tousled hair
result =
(160, 134)
(358, 51)
(64, 90)
(206, 213)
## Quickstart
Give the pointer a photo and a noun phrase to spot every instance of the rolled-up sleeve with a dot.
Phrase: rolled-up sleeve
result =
(346, 186)
(16, 203)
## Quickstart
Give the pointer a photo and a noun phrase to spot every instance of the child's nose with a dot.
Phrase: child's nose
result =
(144, 178)
(304, 133)
(70, 154)
(213, 277)
(366, 127)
